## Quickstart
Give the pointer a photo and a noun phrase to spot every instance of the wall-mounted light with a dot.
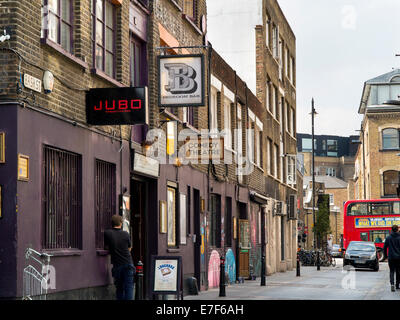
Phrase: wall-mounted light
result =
(48, 82)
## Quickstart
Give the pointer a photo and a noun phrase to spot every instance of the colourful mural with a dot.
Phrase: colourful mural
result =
(230, 266)
(214, 270)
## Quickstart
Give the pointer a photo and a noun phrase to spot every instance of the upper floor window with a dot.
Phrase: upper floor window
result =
(391, 181)
(332, 148)
(57, 22)
(103, 36)
(189, 8)
(390, 139)
(136, 53)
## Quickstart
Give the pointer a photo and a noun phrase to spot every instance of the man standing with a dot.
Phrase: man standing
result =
(392, 243)
(118, 243)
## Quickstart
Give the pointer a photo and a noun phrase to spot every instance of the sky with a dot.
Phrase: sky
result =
(340, 44)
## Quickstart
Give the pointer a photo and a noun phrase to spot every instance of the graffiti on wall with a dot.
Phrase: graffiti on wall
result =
(213, 270)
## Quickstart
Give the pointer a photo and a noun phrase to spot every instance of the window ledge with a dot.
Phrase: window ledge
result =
(230, 150)
(191, 22)
(63, 52)
(173, 250)
(389, 150)
(176, 5)
(102, 252)
(189, 126)
(63, 252)
(104, 76)
(171, 115)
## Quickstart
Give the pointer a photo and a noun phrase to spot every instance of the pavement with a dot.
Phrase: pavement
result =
(330, 283)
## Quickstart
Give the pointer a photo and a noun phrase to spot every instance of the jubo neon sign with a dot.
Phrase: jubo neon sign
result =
(113, 106)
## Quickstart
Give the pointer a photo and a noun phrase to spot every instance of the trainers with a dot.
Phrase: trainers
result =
(392, 287)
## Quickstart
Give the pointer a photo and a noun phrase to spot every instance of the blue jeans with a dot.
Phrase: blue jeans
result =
(124, 281)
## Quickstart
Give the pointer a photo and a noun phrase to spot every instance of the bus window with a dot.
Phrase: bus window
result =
(357, 209)
(396, 207)
(364, 236)
(378, 208)
(379, 236)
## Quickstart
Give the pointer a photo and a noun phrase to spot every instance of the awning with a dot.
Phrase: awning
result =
(259, 198)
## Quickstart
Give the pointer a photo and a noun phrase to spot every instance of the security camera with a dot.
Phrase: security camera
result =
(4, 37)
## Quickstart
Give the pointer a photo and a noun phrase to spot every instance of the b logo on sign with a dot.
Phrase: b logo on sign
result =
(181, 78)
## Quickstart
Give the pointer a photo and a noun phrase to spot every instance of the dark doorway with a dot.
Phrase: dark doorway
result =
(197, 232)
(138, 220)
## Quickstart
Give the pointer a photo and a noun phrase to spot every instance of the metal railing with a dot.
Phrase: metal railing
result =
(34, 280)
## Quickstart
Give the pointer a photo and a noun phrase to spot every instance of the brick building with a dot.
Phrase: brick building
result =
(69, 173)
(334, 155)
(61, 178)
(377, 173)
(271, 52)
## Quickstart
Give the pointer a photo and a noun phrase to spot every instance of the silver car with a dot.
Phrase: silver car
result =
(361, 254)
(336, 251)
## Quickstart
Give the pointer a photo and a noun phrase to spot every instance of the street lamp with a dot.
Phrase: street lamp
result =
(313, 113)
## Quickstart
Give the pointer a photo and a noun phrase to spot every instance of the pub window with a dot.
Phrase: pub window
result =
(62, 199)
(171, 217)
(103, 36)
(57, 22)
(105, 189)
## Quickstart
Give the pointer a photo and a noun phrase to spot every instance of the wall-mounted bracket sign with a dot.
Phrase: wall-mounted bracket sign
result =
(117, 106)
(181, 81)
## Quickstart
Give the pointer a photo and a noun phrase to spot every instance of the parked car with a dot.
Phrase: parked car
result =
(361, 254)
(336, 251)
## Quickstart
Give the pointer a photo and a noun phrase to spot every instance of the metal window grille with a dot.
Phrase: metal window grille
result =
(62, 199)
(105, 199)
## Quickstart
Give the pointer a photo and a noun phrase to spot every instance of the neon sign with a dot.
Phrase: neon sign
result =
(113, 106)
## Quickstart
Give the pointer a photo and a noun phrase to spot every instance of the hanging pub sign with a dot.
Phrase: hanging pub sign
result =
(181, 81)
(117, 106)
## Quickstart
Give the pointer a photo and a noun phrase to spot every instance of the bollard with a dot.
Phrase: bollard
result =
(318, 262)
(139, 281)
(221, 278)
(298, 265)
(263, 270)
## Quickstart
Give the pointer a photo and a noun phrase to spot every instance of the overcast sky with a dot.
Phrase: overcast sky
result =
(340, 45)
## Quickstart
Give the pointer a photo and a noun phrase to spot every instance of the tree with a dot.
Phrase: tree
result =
(322, 223)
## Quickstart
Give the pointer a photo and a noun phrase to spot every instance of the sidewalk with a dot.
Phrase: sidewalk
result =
(330, 283)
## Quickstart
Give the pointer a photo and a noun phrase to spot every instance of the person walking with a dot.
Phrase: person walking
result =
(118, 243)
(392, 244)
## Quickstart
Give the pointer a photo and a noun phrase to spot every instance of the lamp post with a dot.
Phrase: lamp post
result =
(313, 113)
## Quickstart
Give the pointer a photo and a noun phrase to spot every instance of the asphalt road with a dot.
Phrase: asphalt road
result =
(330, 283)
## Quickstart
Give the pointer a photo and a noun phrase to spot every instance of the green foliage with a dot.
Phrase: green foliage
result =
(322, 223)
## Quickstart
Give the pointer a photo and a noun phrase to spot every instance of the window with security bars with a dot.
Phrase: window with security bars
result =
(62, 199)
(105, 189)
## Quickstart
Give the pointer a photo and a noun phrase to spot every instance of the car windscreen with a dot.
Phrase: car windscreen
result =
(361, 247)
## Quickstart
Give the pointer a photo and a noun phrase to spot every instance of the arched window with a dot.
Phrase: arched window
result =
(390, 139)
(395, 79)
(391, 180)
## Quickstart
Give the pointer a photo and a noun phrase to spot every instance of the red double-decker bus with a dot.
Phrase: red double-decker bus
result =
(370, 220)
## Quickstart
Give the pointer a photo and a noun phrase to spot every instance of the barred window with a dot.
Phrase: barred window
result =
(62, 199)
(105, 189)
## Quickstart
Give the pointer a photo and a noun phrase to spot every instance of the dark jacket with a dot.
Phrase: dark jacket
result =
(392, 243)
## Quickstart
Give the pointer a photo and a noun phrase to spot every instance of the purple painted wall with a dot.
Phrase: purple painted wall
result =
(8, 222)
(86, 268)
